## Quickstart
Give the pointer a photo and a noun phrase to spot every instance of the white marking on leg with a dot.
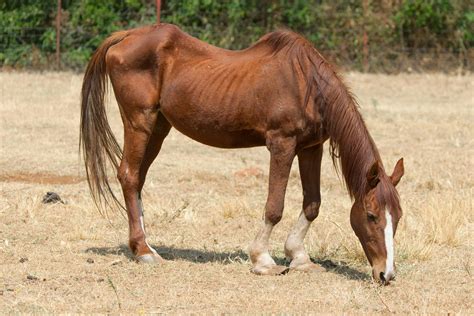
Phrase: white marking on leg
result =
(388, 231)
(142, 224)
(294, 246)
(259, 249)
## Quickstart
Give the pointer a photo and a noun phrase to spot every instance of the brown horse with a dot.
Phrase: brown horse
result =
(279, 93)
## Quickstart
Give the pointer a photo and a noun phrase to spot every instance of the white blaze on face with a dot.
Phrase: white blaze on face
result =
(388, 231)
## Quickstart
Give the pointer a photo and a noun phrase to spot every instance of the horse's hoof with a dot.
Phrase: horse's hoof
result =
(150, 258)
(309, 267)
(270, 270)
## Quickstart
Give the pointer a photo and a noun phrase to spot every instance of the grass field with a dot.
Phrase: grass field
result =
(203, 208)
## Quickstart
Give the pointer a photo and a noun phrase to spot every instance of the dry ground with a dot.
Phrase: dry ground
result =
(203, 207)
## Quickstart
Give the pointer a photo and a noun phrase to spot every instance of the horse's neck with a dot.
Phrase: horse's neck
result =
(350, 140)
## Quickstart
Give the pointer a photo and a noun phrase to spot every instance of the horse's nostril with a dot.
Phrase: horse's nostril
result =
(382, 277)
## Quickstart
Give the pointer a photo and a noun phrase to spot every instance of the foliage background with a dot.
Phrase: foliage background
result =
(400, 35)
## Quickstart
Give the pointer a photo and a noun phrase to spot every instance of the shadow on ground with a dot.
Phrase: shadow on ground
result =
(168, 253)
(121, 250)
(342, 268)
(207, 256)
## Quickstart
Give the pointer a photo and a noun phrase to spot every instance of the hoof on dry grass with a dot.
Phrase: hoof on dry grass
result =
(308, 267)
(150, 258)
(270, 270)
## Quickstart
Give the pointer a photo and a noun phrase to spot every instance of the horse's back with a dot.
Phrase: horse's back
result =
(225, 98)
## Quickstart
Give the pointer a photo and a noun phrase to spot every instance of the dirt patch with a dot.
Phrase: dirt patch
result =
(39, 178)
(249, 172)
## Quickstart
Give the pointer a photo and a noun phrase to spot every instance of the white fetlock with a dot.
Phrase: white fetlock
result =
(299, 259)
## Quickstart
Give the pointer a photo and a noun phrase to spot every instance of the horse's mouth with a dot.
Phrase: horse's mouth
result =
(383, 280)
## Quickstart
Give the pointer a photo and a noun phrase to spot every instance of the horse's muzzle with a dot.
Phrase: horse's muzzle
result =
(383, 278)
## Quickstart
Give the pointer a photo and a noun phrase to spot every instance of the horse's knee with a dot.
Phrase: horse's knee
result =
(274, 214)
(311, 210)
(127, 179)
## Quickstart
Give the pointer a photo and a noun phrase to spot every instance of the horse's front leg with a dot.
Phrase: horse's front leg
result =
(282, 153)
(309, 160)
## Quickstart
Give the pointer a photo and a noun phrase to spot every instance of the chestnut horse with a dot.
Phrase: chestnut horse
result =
(279, 93)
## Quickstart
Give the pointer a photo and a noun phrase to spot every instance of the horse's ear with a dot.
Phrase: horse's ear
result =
(373, 175)
(398, 172)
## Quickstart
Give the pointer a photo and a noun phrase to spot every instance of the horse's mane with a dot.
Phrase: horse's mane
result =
(350, 140)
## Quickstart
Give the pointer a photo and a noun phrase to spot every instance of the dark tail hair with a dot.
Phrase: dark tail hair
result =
(96, 139)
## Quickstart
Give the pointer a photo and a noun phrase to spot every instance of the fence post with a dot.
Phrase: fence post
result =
(158, 11)
(365, 37)
(58, 36)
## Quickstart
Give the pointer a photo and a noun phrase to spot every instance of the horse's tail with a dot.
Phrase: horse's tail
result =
(96, 139)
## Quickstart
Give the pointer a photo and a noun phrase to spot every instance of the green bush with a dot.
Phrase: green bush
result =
(435, 23)
(396, 32)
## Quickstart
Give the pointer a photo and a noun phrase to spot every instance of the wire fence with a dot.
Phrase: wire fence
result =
(35, 48)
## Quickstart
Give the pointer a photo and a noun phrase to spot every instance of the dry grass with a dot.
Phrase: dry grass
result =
(203, 207)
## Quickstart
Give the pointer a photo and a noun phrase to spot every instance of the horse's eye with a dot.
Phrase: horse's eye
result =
(371, 217)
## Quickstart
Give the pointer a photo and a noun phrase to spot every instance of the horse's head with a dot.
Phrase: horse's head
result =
(374, 219)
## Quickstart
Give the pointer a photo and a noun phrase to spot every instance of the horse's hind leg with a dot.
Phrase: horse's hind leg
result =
(144, 135)
(160, 131)
(309, 160)
(144, 131)
(282, 153)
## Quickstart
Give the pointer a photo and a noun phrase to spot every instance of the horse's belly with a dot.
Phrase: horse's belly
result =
(214, 128)
(221, 111)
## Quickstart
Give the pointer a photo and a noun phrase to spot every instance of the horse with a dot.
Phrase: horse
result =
(280, 93)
